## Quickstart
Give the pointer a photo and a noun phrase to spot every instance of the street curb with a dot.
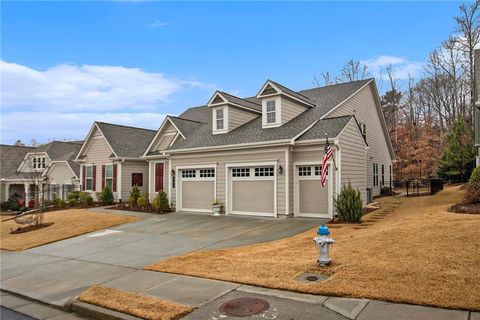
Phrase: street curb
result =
(96, 312)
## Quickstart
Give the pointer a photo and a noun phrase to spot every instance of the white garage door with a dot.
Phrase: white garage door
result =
(197, 189)
(252, 191)
(311, 199)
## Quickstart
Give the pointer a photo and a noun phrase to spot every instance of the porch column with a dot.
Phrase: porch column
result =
(7, 191)
(27, 193)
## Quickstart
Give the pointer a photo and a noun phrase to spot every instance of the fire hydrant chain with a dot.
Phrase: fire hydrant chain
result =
(323, 242)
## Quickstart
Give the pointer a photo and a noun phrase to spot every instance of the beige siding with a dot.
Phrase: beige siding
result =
(165, 141)
(3, 192)
(291, 181)
(290, 109)
(353, 159)
(221, 158)
(238, 117)
(60, 173)
(363, 106)
(165, 137)
(129, 167)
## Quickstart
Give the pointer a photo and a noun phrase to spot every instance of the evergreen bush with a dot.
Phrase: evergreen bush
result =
(141, 202)
(134, 195)
(160, 203)
(349, 204)
(106, 196)
(72, 202)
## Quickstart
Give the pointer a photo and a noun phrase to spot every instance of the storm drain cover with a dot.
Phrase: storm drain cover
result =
(243, 307)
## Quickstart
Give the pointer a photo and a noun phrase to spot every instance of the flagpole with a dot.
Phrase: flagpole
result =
(333, 158)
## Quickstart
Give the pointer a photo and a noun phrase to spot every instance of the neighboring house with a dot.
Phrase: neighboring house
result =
(110, 155)
(28, 171)
(476, 110)
(262, 155)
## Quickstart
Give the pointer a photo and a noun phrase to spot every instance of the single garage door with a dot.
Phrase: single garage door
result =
(197, 189)
(311, 199)
(252, 191)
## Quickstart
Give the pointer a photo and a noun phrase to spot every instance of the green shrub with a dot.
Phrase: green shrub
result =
(11, 204)
(147, 197)
(82, 197)
(106, 196)
(59, 203)
(72, 202)
(134, 195)
(475, 177)
(160, 203)
(89, 200)
(73, 195)
(141, 202)
(349, 204)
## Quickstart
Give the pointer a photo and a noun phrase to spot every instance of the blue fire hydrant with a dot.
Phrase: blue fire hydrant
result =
(323, 242)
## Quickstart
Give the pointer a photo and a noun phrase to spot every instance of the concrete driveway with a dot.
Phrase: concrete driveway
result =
(56, 273)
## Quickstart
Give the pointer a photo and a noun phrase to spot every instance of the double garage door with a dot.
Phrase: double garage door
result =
(250, 190)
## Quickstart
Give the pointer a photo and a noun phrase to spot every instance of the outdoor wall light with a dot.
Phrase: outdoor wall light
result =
(280, 169)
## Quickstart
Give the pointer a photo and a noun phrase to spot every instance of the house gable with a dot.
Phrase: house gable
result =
(165, 136)
(33, 162)
(60, 172)
(96, 148)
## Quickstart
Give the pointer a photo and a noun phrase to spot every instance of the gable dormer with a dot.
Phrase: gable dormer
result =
(34, 162)
(280, 104)
(230, 112)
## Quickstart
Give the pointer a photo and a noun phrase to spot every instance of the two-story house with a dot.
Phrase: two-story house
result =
(262, 155)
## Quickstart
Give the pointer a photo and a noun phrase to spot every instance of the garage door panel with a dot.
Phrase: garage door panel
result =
(253, 196)
(197, 194)
(313, 197)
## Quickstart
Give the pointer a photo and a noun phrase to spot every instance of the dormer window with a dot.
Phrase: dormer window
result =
(271, 112)
(220, 119)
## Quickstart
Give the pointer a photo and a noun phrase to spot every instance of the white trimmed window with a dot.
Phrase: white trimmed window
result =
(264, 172)
(271, 112)
(240, 172)
(189, 173)
(220, 118)
(88, 178)
(375, 174)
(109, 176)
(207, 173)
(39, 163)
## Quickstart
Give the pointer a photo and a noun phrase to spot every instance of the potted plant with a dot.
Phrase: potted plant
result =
(216, 207)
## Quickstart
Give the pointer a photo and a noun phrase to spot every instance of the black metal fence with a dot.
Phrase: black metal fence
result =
(418, 187)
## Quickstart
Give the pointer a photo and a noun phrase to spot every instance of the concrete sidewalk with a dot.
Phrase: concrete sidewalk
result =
(206, 296)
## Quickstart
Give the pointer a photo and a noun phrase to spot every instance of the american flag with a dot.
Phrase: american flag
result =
(326, 156)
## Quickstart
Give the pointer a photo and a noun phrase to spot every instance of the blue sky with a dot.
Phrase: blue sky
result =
(66, 64)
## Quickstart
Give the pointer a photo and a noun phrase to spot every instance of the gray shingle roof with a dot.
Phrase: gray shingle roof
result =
(12, 156)
(10, 159)
(251, 104)
(325, 99)
(128, 142)
(293, 93)
(330, 126)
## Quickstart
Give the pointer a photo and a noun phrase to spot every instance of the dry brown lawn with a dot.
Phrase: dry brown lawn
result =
(66, 224)
(410, 250)
(142, 306)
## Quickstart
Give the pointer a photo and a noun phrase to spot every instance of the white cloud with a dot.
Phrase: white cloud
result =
(86, 88)
(402, 67)
(45, 126)
(158, 24)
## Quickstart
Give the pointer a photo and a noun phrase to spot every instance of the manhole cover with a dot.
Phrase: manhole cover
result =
(312, 278)
(242, 307)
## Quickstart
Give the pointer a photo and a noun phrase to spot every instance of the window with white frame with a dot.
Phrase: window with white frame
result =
(264, 172)
(219, 119)
(88, 178)
(109, 176)
(240, 172)
(271, 112)
(39, 163)
(189, 173)
(207, 173)
(383, 175)
(304, 171)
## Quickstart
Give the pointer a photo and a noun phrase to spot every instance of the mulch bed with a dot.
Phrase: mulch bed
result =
(32, 228)
(465, 208)
(146, 209)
